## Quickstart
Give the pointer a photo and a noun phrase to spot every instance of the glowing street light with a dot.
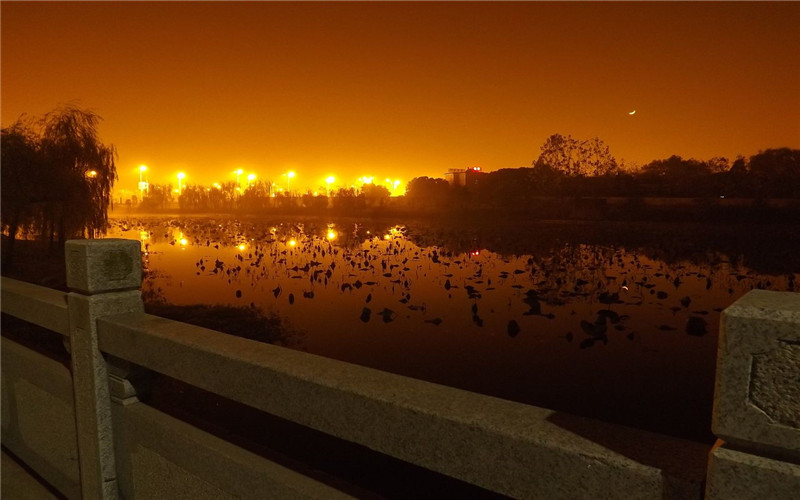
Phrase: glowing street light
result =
(330, 180)
(238, 173)
(181, 176)
(289, 176)
(250, 178)
(143, 186)
(392, 184)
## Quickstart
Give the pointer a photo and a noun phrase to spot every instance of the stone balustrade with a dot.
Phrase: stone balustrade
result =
(102, 442)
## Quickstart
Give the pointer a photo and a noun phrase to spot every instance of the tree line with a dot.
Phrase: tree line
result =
(258, 197)
(568, 167)
(57, 178)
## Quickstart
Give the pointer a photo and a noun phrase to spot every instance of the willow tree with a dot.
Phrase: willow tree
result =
(20, 191)
(80, 172)
(57, 176)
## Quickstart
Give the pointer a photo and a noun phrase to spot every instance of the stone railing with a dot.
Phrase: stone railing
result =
(85, 431)
(757, 399)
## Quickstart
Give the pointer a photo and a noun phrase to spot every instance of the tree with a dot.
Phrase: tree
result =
(62, 173)
(596, 158)
(561, 153)
(346, 199)
(158, 197)
(577, 158)
(81, 170)
(256, 197)
(718, 165)
(679, 177)
(20, 189)
(193, 198)
(376, 196)
(775, 172)
(426, 191)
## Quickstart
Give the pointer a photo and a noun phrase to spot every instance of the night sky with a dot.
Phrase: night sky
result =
(401, 90)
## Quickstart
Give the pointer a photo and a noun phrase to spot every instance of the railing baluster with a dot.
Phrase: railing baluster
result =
(104, 277)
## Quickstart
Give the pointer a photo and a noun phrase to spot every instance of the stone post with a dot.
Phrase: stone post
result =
(104, 277)
(757, 400)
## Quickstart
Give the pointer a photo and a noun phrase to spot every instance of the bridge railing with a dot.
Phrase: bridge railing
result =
(87, 433)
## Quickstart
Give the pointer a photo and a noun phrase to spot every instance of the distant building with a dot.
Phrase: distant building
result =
(466, 177)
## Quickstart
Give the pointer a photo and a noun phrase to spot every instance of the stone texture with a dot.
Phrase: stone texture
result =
(159, 456)
(156, 477)
(18, 484)
(774, 389)
(515, 449)
(36, 304)
(38, 423)
(96, 266)
(757, 395)
(105, 276)
(743, 476)
(91, 387)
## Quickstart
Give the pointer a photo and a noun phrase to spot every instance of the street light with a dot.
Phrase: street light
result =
(238, 173)
(289, 176)
(250, 178)
(143, 186)
(181, 175)
(330, 180)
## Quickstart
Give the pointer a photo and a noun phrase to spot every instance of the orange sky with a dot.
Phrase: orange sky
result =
(404, 89)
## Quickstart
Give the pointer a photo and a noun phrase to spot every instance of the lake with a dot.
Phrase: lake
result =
(615, 321)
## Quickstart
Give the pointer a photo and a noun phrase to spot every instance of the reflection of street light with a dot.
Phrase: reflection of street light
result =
(91, 173)
(181, 175)
(328, 183)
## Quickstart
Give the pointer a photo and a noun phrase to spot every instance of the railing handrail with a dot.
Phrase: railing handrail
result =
(36, 304)
(507, 447)
(487, 441)
(452, 431)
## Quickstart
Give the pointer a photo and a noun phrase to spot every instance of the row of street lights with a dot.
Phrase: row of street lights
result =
(144, 186)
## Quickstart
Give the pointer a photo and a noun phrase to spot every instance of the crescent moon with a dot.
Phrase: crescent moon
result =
(632, 112)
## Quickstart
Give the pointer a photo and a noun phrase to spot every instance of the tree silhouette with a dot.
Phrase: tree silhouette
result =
(775, 172)
(426, 192)
(158, 197)
(81, 173)
(678, 177)
(62, 173)
(577, 158)
(347, 199)
(376, 196)
(20, 189)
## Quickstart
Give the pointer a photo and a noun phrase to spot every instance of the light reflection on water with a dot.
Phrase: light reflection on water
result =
(594, 329)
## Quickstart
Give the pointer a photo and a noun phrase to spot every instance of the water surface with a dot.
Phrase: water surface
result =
(616, 321)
